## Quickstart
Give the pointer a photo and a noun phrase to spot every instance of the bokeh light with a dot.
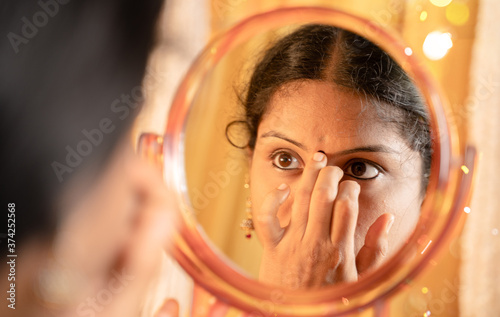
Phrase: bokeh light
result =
(437, 45)
(423, 15)
(440, 3)
(457, 13)
(467, 210)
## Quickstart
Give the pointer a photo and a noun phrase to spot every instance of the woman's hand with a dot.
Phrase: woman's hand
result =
(116, 251)
(317, 247)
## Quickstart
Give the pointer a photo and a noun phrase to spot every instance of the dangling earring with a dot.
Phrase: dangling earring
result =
(247, 223)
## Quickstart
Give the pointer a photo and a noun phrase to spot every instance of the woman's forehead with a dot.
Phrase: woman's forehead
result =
(320, 100)
(319, 113)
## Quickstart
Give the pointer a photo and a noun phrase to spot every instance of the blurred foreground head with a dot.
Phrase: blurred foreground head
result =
(69, 90)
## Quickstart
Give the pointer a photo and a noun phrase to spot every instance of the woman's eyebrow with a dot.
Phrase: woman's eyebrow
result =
(369, 148)
(275, 134)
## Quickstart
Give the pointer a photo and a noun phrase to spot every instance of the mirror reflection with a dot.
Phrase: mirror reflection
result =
(321, 143)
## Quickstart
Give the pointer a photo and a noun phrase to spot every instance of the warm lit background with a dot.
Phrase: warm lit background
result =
(220, 204)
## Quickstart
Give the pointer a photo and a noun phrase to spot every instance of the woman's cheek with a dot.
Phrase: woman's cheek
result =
(372, 204)
(387, 198)
(407, 215)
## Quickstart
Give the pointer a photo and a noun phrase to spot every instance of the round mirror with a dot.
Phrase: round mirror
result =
(312, 164)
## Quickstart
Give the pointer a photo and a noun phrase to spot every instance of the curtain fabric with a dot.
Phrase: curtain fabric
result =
(480, 278)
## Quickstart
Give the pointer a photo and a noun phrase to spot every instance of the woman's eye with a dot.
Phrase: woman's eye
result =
(362, 170)
(285, 161)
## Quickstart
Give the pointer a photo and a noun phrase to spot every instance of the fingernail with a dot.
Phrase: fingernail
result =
(282, 186)
(170, 309)
(318, 156)
(284, 196)
(389, 224)
(165, 314)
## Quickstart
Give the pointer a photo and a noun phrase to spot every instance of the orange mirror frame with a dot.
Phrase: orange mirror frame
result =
(442, 214)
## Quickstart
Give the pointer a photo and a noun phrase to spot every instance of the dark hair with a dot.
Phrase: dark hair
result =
(328, 53)
(63, 63)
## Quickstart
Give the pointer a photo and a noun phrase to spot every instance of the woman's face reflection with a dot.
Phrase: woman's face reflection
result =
(310, 116)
